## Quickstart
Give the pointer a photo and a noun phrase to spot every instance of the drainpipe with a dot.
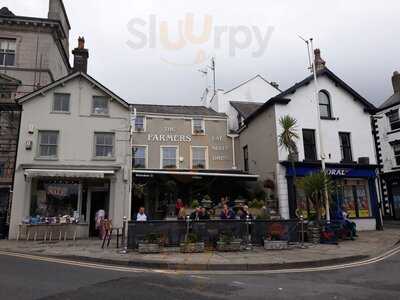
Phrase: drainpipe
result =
(234, 167)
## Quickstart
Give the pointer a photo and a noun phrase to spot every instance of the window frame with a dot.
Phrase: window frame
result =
(349, 147)
(112, 157)
(93, 106)
(39, 145)
(145, 156)
(61, 111)
(328, 106)
(396, 156)
(395, 122)
(7, 51)
(206, 161)
(203, 126)
(246, 166)
(162, 156)
(314, 158)
(144, 124)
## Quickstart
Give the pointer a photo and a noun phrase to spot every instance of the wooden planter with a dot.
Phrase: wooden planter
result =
(146, 248)
(275, 245)
(192, 247)
(233, 246)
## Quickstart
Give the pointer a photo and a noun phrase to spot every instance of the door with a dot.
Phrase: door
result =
(396, 202)
(99, 200)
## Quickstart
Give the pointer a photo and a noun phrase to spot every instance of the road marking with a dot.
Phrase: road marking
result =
(199, 277)
(373, 260)
(238, 283)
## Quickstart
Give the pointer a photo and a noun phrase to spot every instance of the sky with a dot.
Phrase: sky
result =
(146, 51)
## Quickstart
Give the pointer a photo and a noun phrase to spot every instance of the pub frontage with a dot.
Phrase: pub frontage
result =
(182, 152)
(354, 190)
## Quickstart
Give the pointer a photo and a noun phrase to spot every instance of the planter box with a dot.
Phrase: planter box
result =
(145, 248)
(192, 247)
(275, 245)
(314, 234)
(233, 246)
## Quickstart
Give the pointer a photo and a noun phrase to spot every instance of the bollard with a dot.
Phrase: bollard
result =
(302, 231)
(249, 246)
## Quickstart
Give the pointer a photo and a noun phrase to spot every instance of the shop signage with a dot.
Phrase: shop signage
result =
(337, 172)
(169, 138)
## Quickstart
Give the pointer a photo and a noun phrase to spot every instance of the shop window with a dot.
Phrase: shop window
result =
(61, 103)
(140, 123)
(7, 52)
(54, 198)
(139, 157)
(325, 105)
(48, 144)
(310, 150)
(104, 145)
(199, 157)
(198, 126)
(345, 146)
(100, 105)
(2, 169)
(394, 119)
(246, 158)
(396, 151)
(169, 157)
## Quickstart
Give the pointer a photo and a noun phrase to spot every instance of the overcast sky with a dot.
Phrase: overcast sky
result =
(359, 39)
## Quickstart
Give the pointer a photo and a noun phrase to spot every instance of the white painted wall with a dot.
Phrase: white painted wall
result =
(75, 145)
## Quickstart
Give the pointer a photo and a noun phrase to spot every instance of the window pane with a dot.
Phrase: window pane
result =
(324, 104)
(139, 123)
(310, 152)
(139, 157)
(9, 59)
(199, 158)
(324, 111)
(169, 157)
(198, 126)
(100, 105)
(104, 144)
(61, 102)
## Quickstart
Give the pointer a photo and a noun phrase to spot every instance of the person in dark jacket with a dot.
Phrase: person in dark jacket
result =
(226, 213)
(204, 214)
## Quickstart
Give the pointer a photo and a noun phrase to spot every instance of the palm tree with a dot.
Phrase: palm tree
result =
(314, 186)
(287, 141)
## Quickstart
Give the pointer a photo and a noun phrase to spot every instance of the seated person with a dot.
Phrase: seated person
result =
(195, 216)
(226, 213)
(245, 213)
(204, 214)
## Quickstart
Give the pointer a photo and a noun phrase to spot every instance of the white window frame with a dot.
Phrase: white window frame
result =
(38, 155)
(61, 111)
(95, 145)
(162, 158)
(146, 154)
(144, 124)
(108, 106)
(203, 124)
(206, 156)
(2, 63)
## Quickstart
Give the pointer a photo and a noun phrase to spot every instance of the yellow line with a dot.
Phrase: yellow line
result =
(373, 260)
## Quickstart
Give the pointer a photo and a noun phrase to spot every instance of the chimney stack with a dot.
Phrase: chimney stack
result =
(396, 82)
(81, 55)
(318, 61)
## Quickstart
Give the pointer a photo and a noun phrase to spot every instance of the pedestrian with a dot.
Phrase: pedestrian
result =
(179, 204)
(227, 213)
(182, 214)
(141, 216)
(99, 217)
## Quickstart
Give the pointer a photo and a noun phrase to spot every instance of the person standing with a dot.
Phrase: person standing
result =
(178, 206)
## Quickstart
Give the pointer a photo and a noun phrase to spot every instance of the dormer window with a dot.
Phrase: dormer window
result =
(394, 119)
(325, 105)
(198, 127)
(140, 122)
(100, 105)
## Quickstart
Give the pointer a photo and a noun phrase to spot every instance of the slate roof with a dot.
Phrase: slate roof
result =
(176, 110)
(4, 11)
(245, 108)
(392, 101)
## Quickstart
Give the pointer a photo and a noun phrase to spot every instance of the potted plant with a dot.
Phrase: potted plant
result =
(192, 244)
(227, 243)
(206, 202)
(150, 244)
(255, 206)
(274, 239)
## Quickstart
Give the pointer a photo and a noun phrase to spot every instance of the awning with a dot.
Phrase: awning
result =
(31, 173)
(194, 173)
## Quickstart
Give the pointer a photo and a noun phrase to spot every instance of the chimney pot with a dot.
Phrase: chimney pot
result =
(318, 61)
(396, 82)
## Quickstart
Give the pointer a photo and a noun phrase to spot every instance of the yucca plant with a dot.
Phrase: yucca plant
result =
(287, 141)
(314, 186)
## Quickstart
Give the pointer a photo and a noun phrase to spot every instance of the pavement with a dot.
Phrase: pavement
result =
(367, 245)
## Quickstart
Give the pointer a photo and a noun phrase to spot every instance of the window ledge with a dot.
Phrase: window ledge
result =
(329, 119)
(396, 168)
(104, 158)
(198, 134)
(61, 112)
(394, 131)
(348, 162)
(46, 158)
(100, 115)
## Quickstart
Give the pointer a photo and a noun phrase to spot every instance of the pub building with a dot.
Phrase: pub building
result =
(184, 152)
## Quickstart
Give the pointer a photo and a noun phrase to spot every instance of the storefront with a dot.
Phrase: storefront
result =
(353, 188)
(158, 190)
(66, 197)
(392, 180)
